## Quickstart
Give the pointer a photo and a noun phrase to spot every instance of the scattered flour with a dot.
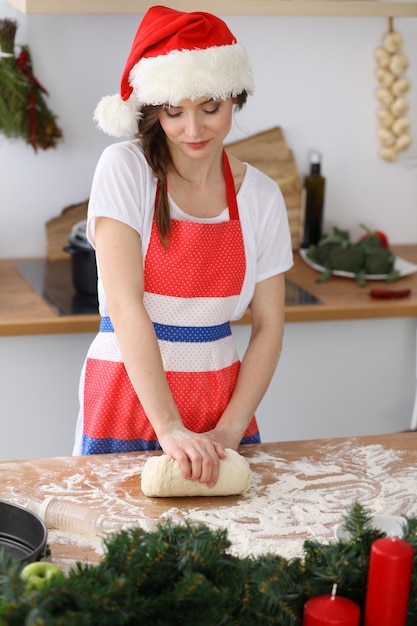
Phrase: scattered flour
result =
(288, 501)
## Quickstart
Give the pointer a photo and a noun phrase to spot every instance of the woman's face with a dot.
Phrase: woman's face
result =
(196, 128)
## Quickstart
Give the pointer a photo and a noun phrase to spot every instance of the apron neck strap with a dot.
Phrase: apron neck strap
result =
(230, 189)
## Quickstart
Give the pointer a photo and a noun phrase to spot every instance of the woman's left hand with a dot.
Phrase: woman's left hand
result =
(225, 437)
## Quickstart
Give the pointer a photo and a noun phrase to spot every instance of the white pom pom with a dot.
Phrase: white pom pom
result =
(117, 117)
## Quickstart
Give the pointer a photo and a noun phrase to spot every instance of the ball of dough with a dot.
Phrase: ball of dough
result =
(398, 64)
(162, 478)
(393, 42)
(400, 86)
(382, 57)
(401, 126)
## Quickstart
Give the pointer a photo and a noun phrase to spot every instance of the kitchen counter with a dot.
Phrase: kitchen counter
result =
(299, 490)
(24, 312)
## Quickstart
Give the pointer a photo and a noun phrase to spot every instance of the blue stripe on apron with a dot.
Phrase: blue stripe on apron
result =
(109, 445)
(190, 334)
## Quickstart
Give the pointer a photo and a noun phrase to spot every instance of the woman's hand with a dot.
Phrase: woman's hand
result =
(225, 436)
(197, 454)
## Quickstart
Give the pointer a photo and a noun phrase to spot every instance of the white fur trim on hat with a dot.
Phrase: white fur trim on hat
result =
(117, 117)
(216, 72)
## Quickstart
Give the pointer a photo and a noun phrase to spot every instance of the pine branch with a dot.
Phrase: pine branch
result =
(185, 575)
(23, 110)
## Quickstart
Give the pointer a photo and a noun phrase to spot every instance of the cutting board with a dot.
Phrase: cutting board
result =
(269, 152)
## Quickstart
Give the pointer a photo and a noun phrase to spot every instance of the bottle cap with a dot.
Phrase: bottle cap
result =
(315, 157)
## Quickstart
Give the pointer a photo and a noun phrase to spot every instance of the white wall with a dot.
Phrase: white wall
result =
(314, 77)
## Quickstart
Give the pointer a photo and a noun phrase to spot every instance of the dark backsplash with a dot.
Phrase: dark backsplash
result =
(53, 281)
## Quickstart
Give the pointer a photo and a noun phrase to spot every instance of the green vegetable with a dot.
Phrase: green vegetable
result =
(379, 261)
(335, 251)
(321, 253)
(347, 259)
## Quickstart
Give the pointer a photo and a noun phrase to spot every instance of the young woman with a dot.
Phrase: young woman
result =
(186, 239)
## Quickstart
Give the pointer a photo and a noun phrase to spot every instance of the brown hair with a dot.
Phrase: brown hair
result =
(158, 156)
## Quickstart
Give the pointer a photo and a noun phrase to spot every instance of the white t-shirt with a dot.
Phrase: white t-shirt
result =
(124, 189)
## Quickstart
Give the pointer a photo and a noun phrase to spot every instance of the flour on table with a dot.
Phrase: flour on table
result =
(303, 499)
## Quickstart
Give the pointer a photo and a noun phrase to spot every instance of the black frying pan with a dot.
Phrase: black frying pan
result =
(22, 533)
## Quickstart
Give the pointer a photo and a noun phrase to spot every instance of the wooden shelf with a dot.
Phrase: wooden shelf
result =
(324, 8)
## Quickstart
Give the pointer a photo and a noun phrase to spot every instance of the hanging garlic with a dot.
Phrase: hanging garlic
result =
(382, 57)
(403, 142)
(388, 154)
(386, 137)
(394, 128)
(385, 96)
(393, 42)
(398, 64)
(385, 76)
(399, 107)
(400, 86)
(400, 126)
(385, 118)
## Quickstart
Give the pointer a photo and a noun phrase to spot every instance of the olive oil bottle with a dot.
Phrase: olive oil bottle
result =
(314, 187)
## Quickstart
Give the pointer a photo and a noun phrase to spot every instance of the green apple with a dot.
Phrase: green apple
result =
(37, 574)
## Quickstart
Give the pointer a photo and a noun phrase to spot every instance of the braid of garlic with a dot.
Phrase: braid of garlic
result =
(394, 127)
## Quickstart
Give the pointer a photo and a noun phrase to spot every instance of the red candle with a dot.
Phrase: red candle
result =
(389, 579)
(331, 611)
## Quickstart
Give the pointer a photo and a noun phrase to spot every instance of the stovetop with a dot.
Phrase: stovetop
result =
(52, 280)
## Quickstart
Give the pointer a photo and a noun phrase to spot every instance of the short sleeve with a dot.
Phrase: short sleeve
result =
(123, 188)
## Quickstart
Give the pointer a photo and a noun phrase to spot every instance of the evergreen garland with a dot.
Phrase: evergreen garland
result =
(23, 109)
(184, 575)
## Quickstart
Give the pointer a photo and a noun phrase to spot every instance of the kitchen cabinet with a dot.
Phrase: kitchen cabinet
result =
(359, 8)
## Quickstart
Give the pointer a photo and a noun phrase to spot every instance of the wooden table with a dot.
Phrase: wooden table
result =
(299, 490)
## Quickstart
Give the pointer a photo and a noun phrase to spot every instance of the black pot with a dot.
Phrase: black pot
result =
(22, 533)
(83, 261)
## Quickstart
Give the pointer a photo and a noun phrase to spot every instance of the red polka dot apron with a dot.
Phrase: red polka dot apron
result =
(191, 291)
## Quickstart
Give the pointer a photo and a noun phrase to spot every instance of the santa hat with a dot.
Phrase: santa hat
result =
(175, 56)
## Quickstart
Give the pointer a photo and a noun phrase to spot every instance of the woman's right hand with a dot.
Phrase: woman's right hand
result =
(197, 455)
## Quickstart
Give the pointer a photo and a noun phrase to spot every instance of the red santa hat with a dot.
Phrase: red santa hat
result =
(175, 56)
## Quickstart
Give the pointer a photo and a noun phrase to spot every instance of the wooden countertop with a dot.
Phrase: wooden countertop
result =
(24, 312)
(299, 490)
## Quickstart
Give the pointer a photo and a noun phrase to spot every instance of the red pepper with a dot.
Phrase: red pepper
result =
(378, 233)
(389, 294)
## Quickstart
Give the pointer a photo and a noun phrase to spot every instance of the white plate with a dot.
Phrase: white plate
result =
(391, 525)
(405, 268)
